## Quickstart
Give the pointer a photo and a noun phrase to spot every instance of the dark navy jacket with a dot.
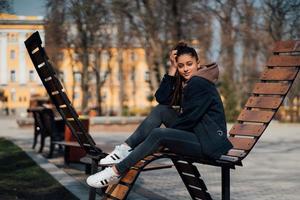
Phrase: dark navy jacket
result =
(202, 113)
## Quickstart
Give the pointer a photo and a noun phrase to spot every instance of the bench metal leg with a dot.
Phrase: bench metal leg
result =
(92, 194)
(192, 180)
(225, 183)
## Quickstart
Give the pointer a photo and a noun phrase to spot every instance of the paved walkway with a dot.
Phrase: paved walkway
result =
(271, 171)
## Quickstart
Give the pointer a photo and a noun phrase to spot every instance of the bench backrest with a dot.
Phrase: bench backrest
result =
(267, 96)
(57, 94)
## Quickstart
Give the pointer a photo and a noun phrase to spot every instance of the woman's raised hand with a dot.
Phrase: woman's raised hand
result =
(173, 66)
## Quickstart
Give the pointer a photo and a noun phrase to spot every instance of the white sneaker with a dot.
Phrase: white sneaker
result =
(103, 178)
(117, 155)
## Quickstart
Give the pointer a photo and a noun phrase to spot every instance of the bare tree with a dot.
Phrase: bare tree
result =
(89, 35)
(282, 22)
(55, 32)
(249, 38)
(225, 12)
(5, 5)
(282, 18)
(121, 43)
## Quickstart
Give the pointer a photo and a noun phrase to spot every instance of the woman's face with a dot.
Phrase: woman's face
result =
(187, 66)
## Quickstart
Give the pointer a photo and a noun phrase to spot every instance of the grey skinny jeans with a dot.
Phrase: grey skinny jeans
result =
(148, 138)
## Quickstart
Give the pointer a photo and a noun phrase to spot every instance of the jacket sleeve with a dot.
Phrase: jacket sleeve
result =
(165, 91)
(197, 100)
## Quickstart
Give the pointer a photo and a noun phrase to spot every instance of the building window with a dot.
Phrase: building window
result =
(147, 76)
(61, 76)
(12, 54)
(76, 95)
(75, 56)
(12, 37)
(104, 56)
(13, 96)
(133, 56)
(60, 56)
(92, 76)
(13, 76)
(133, 74)
(77, 77)
(31, 75)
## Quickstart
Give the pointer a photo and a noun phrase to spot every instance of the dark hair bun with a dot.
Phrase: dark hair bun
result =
(180, 45)
(182, 48)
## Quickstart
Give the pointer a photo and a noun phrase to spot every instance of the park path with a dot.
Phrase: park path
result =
(271, 171)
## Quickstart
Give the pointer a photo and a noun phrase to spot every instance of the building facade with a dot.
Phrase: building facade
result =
(19, 80)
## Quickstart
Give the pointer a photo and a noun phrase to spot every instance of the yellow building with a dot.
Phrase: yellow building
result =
(19, 80)
(17, 76)
(136, 89)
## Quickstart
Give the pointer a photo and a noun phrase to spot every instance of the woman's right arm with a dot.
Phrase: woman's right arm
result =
(166, 88)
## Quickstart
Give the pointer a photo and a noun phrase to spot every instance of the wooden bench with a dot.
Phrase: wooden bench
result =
(45, 125)
(266, 98)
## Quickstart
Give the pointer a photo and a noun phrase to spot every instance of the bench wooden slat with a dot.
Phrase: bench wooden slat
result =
(58, 99)
(194, 181)
(271, 88)
(198, 193)
(139, 164)
(130, 176)
(247, 129)
(186, 168)
(264, 102)
(44, 72)
(39, 57)
(119, 191)
(74, 125)
(287, 46)
(284, 61)
(149, 158)
(256, 116)
(236, 153)
(279, 74)
(67, 112)
(65, 98)
(52, 86)
(242, 143)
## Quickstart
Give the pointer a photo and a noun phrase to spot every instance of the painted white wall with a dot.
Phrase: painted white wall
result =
(23, 74)
(3, 59)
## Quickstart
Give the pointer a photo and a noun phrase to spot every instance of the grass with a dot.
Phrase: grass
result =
(22, 178)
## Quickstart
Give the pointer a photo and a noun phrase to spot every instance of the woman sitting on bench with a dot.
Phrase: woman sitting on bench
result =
(197, 128)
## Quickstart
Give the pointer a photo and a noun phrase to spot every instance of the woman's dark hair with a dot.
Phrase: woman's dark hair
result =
(182, 48)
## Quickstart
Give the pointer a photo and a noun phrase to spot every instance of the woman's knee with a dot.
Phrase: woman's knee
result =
(159, 134)
(161, 108)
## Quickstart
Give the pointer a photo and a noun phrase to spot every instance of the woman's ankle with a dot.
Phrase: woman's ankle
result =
(115, 170)
(127, 145)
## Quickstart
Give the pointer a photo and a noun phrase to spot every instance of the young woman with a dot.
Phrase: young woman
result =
(197, 128)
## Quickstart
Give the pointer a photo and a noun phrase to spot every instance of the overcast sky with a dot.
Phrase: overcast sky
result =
(29, 7)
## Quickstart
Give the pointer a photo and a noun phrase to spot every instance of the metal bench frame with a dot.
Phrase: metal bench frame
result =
(61, 101)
